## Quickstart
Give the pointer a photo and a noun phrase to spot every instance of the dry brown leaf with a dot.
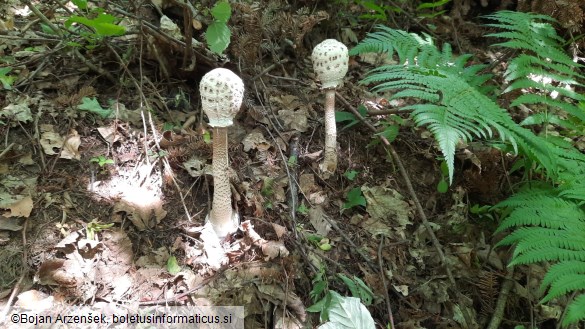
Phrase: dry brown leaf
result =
(20, 208)
(71, 146)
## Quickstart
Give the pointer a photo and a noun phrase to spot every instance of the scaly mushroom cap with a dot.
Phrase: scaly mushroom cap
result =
(221, 92)
(330, 61)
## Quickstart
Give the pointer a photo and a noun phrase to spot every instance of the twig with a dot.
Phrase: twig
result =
(269, 68)
(6, 150)
(43, 18)
(384, 112)
(383, 275)
(502, 300)
(16, 288)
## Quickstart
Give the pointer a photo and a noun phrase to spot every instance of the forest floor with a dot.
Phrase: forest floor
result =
(105, 173)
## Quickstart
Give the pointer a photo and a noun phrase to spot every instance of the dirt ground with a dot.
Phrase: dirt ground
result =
(105, 173)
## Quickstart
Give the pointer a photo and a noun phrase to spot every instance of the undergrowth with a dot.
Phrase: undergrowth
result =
(546, 217)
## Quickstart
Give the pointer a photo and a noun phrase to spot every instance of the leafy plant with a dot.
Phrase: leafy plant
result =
(100, 26)
(341, 116)
(547, 219)
(337, 311)
(6, 80)
(93, 106)
(302, 209)
(218, 34)
(358, 288)
(460, 112)
(173, 266)
(428, 9)
(343, 312)
(443, 186)
(94, 227)
(354, 198)
(351, 174)
(101, 161)
(543, 67)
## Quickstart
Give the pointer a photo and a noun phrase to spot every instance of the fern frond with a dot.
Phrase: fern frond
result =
(559, 270)
(549, 254)
(567, 283)
(575, 311)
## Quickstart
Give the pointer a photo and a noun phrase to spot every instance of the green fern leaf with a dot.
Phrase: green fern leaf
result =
(568, 283)
(559, 270)
(575, 311)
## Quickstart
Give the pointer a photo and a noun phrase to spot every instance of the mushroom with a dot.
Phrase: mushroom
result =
(330, 61)
(221, 92)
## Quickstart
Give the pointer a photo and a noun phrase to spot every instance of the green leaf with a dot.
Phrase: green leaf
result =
(390, 133)
(93, 106)
(47, 29)
(350, 174)
(6, 80)
(218, 37)
(347, 312)
(172, 265)
(344, 116)
(355, 198)
(380, 12)
(435, 4)
(325, 246)
(222, 11)
(443, 186)
(103, 24)
(81, 4)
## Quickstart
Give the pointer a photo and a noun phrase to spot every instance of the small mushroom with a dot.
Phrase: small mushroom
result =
(221, 92)
(330, 62)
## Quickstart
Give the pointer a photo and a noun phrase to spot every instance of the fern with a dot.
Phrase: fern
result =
(546, 219)
(456, 109)
(544, 68)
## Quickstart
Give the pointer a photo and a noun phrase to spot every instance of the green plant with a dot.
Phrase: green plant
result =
(101, 161)
(443, 186)
(543, 68)
(547, 219)
(218, 34)
(320, 242)
(354, 198)
(431, 9)
(6, 80)
(358, 288)
(302, 209)
(94, 227)
(100, 26)
(460, 112)
(91, 105)
(173, 266)
(350, 174)
(337, 311)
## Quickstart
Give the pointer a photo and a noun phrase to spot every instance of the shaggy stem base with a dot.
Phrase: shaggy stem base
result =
(222, 217)
(329, 164)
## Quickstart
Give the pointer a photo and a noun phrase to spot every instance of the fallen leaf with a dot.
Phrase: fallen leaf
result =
(20, 208)
(71, 146)
(317, 218)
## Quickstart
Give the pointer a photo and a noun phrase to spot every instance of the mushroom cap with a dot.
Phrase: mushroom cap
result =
(330, 61)
(221, 92)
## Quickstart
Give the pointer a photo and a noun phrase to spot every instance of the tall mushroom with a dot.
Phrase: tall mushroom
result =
(330, 62)
(221, 92)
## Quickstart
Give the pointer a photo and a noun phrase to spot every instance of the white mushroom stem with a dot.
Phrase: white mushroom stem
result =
(330, 162)
(222, 215)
